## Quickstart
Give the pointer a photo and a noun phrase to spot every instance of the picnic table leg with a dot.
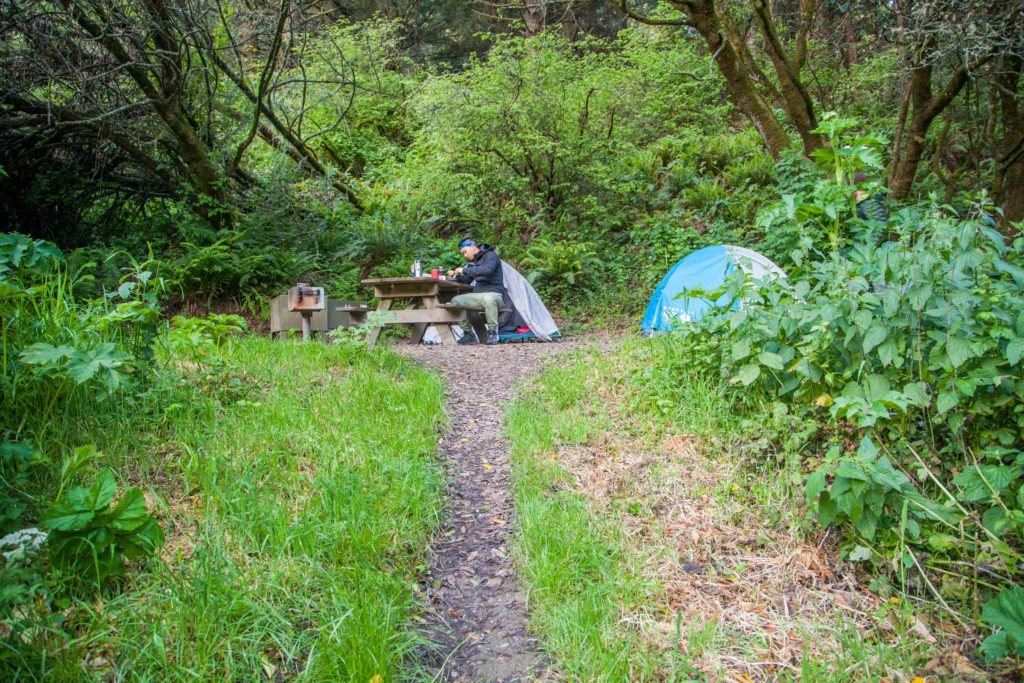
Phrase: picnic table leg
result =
(445, 332)
(419, 329)
(371, 339)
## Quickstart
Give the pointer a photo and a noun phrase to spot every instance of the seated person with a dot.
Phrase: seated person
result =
(869, 208)
(483, 271)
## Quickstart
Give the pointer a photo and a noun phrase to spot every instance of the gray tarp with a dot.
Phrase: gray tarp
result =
(529, 306)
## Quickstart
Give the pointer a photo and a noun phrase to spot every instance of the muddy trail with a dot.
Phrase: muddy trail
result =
(476, 608)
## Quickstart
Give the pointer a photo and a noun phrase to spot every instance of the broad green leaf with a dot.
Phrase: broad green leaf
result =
(917, 393)
(995, 520)
(875, 336)
(746, 374)
(867, 524)
(827, 511)
(815, 485)
(130, 512)
(143, 541)
(83, 366)
(17, 455)
(942, 542)
(888, 476)
(959, 350)
(42, 353)
(771, 360)
(849, 470)
(98, 496)
(995, 647)
(946, 401)
(741, 349)
(978, 481)
(888, 353)
(861, 554)
(867, 448)
(1016, 272)
(876, 387)
(61, 517)
(919, 296)
(1006, 611)
(1015, 350)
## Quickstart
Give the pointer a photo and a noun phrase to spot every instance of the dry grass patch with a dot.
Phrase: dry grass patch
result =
(741, 598)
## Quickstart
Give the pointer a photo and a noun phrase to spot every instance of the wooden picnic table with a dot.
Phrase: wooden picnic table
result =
(429, 304)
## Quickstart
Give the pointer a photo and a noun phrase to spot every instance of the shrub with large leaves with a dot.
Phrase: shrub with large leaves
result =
(910, 345)
(90, 537)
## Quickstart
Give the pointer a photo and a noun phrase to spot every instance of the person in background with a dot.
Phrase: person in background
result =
(483, 270)
(869, 207)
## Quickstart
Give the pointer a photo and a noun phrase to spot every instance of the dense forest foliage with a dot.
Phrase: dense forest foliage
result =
(203, 155)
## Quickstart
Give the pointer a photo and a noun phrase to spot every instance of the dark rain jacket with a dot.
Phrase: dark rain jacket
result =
(484, 272)
(872, 209)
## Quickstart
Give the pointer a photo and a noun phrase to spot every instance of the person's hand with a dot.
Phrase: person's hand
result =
(458, 271)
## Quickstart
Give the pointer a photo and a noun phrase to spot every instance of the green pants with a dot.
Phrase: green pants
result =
(489, 301)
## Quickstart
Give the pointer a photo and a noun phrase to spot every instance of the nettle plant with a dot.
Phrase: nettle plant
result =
(912, 349)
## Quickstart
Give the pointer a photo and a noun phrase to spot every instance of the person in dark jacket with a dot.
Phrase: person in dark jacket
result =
(869, 208)
(483, 271)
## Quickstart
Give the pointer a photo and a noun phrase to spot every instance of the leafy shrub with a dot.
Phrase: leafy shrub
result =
(90, 539)
(63, 359)
(913, 349)
(381, 237)
(194, 337)
(902, 352)
(1006, 614)
(661, 242)
(558, 264)
(231, 264)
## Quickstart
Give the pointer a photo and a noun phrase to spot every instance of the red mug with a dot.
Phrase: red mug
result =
(435, 273)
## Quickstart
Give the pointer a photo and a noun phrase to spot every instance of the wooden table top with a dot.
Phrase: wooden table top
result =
(426, 279)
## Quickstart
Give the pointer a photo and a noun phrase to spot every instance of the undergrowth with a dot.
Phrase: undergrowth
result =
(294, 488)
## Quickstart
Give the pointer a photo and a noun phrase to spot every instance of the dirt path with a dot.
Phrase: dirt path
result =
(477, 610)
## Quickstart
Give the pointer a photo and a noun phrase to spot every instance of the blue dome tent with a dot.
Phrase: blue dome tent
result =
(706, 269)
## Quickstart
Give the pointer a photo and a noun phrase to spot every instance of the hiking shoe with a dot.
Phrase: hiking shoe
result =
(468, 338)
(492, 337)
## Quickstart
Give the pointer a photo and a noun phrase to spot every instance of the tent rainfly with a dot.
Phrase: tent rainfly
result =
(705, 269)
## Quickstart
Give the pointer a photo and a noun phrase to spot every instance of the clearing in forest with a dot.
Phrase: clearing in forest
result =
(658, 545)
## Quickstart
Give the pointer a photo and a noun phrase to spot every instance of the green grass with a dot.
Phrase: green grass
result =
(298, 488)
(590, 597)
(581, 581)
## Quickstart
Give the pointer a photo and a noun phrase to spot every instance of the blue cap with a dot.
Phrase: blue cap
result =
(467, 243)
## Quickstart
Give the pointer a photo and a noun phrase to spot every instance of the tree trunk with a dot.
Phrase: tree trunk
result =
(163, 95)
(796, 100)
(722, 43)
(534, 12)
(851, 40)
(925, 108)
(1008, 182)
